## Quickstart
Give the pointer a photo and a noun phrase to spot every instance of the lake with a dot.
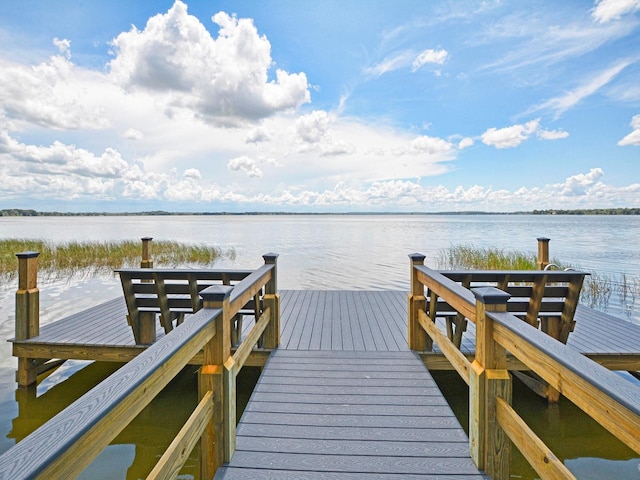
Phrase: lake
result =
(363, 252)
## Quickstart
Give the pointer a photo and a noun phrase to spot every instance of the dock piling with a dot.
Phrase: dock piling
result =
(27, 313)
(489, 380)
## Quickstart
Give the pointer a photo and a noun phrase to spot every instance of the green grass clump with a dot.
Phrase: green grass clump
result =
(478, 258)
(93, 258)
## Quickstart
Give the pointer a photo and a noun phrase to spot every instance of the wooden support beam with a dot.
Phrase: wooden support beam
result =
(417, 337)
(489, 380)
(27, 323)
(214, 377)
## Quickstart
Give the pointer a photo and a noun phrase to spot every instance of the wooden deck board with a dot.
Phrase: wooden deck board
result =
(366, 419)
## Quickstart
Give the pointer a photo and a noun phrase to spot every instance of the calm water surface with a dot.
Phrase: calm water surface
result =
(316, 252)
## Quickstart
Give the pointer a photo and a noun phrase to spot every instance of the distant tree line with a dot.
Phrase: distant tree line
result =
(17, 212)
(590, 211)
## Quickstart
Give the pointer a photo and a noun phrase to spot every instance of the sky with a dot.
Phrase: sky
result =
(332, 106)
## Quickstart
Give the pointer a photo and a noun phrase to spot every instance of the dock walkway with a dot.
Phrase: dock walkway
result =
(347, 415)
(344, 398)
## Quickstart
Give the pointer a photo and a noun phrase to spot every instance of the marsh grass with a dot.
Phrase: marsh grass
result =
(477, 258)
(597, 291)
(96, 258)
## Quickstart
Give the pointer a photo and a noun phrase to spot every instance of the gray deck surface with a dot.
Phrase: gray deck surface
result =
(348, 414)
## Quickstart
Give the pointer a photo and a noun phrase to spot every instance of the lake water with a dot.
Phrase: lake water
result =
(316, 252)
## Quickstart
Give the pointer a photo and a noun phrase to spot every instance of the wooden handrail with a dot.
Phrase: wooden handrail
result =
(609, 399)
(65, 445)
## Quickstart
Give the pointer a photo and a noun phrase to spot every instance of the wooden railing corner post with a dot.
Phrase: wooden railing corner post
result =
(147, 261)
(543, 253)
(214, 443)
(27, 323)
(489, 379)
(272, 302)
(417, 337)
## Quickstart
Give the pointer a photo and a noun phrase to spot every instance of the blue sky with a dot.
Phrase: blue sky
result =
(319, 106)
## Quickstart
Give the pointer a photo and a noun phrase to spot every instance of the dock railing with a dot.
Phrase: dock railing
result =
(493, 424)
(64, 446)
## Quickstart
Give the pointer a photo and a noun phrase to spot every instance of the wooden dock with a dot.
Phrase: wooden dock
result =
(343, 396)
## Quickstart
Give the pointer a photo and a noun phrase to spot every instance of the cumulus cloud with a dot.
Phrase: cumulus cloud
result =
(313, 134)
(429, 56)
(257, 135)
(430, 146)
(225, 80)
(578, 184)
(192, 173)
(634, 137)
(245, 164)
(53, 94)
(465, 143)
(313, 128)
(133, 134)
(607, 10)
(510, 137)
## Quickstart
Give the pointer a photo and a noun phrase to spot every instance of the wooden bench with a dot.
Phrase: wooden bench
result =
(170, 294)
(545, 299)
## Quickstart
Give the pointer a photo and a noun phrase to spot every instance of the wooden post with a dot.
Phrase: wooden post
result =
(550, 325)
(543, 253)
(147, 261)
(272, 301)
(27, 312)
(214, 443)
(489, 445)
(417, 337)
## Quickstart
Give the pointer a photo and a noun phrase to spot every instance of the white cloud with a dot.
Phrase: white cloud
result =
(133, 134)
(578, 184)
(552, 134)
(246, 165)
(257, 135)
(634, 137)
(509, 137)
(430, 146)
(224, 80)
(391, 63)
(63, 46)
(607, 10)
(429, 56)
(406, 59)
(192, 173)
(313, 128)
(561, 104)
(54, 94)
(465, 143)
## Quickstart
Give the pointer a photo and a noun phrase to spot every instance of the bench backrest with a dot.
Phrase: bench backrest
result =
(550, 297)
(169, 292)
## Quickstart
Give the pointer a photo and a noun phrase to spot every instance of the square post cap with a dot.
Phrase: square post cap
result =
(28, 254)
(270, 257)
(491, 295)
(417, 257)
(216, 293)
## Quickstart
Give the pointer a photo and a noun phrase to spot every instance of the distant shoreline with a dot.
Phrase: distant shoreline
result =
(16, 212)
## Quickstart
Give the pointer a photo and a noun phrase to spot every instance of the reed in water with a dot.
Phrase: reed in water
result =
(93, 258)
